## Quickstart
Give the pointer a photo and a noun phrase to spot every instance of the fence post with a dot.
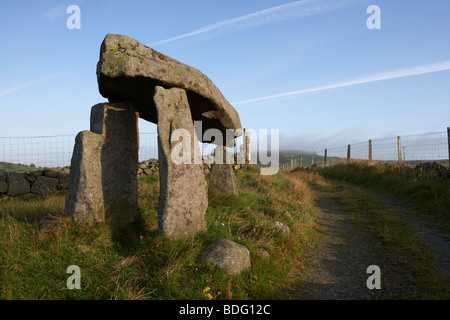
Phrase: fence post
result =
(448, 139)
(370, 151)
(244, 145)
(301, 160)
(325, 158)
(247, 147)
(348, 153)
(399, 149)
(313, 160)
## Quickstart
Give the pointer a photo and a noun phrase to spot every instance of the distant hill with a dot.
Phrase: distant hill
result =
(304, 156)
(12, 167)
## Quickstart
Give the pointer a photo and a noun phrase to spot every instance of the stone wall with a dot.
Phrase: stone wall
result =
(34, 182)
(57, 179)
(149, 166)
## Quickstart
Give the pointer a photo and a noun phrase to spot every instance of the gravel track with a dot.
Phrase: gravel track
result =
(337, 267)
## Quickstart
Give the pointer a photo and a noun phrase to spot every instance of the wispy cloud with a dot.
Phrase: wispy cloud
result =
(61, 10)
(297, 9)
(409, 72)
(33, 83)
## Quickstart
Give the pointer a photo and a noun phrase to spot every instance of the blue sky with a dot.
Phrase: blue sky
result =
(311, 68)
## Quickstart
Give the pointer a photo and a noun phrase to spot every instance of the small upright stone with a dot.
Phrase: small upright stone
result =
(222, 179)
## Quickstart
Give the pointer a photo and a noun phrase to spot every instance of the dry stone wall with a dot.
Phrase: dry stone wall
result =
(42, 181)
(34, 182)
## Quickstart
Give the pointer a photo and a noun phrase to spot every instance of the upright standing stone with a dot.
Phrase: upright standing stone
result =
(118, 123)
(103, 181)
(183, 196)
(84, 200)
(222, 179)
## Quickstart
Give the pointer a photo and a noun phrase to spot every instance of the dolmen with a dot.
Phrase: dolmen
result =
(140, 82)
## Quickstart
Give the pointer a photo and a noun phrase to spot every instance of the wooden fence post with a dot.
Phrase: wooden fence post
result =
(399, 149)
(348, 153)
(325, 158)
(448, 139)
(247, 147)
(370, 150)
(313, 160)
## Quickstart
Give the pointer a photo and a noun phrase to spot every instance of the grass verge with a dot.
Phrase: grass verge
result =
(33, 264)
(427, 193)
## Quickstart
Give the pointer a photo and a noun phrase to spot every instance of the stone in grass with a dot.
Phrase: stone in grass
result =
(281, 227)
(227, 255)
(288, 214)
(263, 253)
(46, 223)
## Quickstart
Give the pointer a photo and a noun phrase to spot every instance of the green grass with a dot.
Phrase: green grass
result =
(12, 167)
(426, 193)
(33, 264)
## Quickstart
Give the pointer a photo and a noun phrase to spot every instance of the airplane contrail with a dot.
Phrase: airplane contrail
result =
(32, 83)
(279, 13)
(401, 73)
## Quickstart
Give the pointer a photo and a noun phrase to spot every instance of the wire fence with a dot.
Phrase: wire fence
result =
(56, 151)
(411, 149)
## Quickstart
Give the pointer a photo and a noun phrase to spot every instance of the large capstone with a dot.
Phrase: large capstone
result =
(129, 71)
(183, 196)
(103, 181)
